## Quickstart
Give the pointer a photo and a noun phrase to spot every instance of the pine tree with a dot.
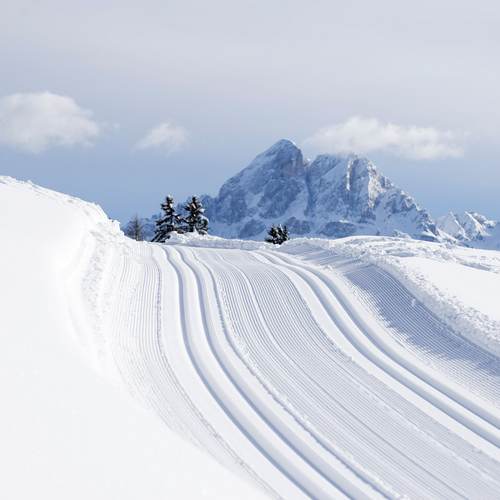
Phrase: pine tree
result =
(272, 235)
(284, 234)
(168, 223)
(277, 234)
(134, 229)
(195, 218)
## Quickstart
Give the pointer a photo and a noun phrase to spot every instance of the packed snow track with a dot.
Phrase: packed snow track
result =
(313, 378)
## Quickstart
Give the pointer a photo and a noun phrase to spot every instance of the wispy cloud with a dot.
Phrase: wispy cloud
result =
(365, 135)
(34, 122)
(166, 137)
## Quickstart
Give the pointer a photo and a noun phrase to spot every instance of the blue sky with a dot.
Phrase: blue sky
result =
(123, 103)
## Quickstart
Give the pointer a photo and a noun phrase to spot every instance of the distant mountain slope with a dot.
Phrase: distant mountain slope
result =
(332, 196)
(472, 229)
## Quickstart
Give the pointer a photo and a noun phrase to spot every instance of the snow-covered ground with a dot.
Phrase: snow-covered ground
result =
(460, 285)
(65, 431)
(366, 367)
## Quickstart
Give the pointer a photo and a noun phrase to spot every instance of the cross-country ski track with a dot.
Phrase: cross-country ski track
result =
(311, 376)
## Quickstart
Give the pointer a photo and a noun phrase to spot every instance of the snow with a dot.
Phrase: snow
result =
(364, 367)
(466, 285)
(463, 281)
(66, 432)
(460, 285)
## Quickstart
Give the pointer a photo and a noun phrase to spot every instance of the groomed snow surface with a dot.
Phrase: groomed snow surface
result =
(366, 367)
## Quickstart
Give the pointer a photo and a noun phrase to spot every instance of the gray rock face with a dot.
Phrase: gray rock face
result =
(297, 226)
(252, 228)
(332, 196)
(338, 229)
(266, 188)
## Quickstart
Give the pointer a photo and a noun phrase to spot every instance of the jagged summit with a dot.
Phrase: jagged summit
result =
(331, 196)
(283, 156)
(281, 145)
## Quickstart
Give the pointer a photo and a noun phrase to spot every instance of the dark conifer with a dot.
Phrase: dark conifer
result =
(272, 235)
(284, 234)
(195, 218)
(277, 234)
(168, 222)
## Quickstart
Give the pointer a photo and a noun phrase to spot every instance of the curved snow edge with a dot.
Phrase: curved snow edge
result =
(85, 272)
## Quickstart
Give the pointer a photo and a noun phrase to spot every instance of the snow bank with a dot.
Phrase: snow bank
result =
(209, 241)
(65, 431)
(460, 285)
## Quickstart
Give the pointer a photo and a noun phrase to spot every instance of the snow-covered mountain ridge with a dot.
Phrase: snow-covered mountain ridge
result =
(471, 229)
(331, 196)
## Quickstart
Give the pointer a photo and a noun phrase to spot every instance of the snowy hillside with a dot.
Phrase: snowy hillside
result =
(65, 431)
(365, 367)
(332, 196)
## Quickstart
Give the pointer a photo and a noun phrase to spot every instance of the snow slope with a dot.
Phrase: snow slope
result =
(65, 431)
(459, 285)
(316, 370)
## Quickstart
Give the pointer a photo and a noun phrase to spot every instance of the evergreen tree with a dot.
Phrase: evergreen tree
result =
(134, 229)
(168, 222)
(195, 219)
(277, 234)
(272, 235)
(284, 234)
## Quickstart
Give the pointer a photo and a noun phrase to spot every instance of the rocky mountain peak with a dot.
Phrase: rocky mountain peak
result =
(331, 196)
(283, 157)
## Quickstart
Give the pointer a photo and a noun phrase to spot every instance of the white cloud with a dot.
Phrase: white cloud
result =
(365, 135)
(35, 122)
(165, 136)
